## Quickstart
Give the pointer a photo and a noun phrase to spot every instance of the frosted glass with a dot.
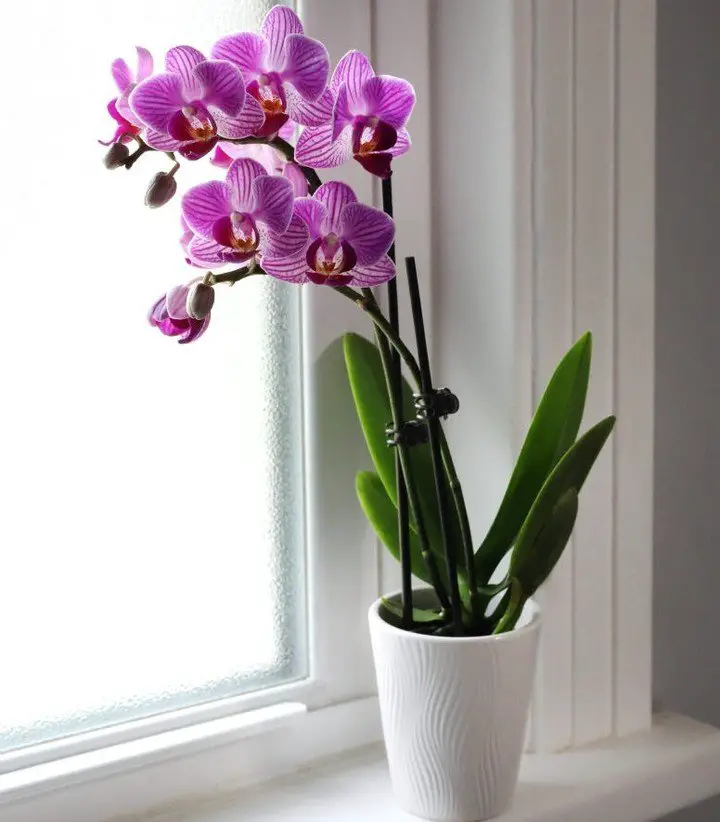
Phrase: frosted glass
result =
(151, 524)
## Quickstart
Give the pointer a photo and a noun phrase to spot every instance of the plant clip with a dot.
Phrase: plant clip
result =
(413, 432)
(435, 404)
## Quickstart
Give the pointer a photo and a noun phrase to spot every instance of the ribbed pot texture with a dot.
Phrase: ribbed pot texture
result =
(454, 712)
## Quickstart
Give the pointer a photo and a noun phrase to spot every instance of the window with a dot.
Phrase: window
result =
(152, 494)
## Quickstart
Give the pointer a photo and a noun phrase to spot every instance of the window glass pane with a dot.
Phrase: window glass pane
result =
(151, 493)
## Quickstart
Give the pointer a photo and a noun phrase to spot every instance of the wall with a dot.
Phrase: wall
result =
(687, 444)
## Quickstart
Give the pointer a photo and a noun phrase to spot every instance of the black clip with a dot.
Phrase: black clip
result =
(438, 403)
(408, 433)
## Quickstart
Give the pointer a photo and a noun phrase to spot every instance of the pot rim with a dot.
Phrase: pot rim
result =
(510, 636)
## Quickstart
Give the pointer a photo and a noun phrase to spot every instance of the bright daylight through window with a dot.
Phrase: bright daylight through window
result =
(151, 494)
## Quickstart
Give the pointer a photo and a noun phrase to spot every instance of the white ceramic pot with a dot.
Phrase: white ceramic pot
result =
(454, 712)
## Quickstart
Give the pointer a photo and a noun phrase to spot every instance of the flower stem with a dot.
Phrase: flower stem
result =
(233, 276)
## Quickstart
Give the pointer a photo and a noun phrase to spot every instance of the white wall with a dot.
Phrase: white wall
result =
(687, 442)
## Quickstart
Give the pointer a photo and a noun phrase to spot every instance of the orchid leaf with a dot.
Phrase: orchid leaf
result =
(553, 430)
(552, 515)
(424, 616)
(367, 382)
(533, 565)
(382, 515)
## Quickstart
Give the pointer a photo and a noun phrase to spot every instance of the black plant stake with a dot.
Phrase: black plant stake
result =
(433, 424)
(395, 387)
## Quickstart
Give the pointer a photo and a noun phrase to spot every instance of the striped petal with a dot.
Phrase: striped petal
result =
(247, 51)
(279, 23)
(291, 243)
(369, 231)
(204, 204)
(156, 99)
(308, 112)
(390, 99)
(290, 269)
(274, 199)
(240, 178)
(317, 149)
(182, 61)
(307, 65)
(144, 64)
(313, 213)
(353, 70)
(375, 274)
(247, 122)
(336, 197)
(121, 74)
(223, 85)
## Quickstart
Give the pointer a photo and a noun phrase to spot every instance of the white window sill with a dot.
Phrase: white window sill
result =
(636, 779)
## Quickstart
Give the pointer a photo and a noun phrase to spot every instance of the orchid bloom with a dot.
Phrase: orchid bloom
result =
(272, 161)
(192, 104)
(285, 72)
(368, 121)
(128, 124)
(333, 240)
(235, 220)
(169, 314)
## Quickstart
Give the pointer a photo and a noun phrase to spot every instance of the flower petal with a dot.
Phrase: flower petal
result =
(298, 180)
(336, 197)
(290, 243)
(342, 114)
(312, 212)
(390, 99)
(247, 51)
(204, 204)
(279, 22)
(248, 121)
(370, 275)
(291, 269)
(307, 65)
(239, 181)
(274, 199)
(144, 64)
(317, 149)
(402, 144)
(196, 330)
(181, 60)
(121, 74)
(156, 99)
(207, 253)
(354, 69)
(223, 85)
(161, 141)
(175, 302)
(196, 150)
(368, 230)
(309, 112)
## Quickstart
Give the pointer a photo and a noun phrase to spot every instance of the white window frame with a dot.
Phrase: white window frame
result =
(543, 247)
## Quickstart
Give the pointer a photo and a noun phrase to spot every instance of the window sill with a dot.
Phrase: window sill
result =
(636, 779)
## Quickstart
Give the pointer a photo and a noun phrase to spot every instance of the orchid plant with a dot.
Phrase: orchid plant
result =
(268, 109)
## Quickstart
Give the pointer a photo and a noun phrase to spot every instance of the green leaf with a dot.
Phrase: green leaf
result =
(554, 510)
(552, 431)
(367, 382)
(382, 515)
(533, 564)
(420, 615)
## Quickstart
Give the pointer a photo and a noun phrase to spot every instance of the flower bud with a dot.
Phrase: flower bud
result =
(116, 156)
(200, 300)
(162, 188)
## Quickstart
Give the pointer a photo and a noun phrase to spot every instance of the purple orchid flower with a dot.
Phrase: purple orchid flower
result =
(170, 315)
(128, 125)
(333, 240)
(285, 72)
(236, 220)
(368, 121)
(271, 160)
(195, 102)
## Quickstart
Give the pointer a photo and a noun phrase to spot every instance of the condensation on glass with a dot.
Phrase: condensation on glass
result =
(151, 521)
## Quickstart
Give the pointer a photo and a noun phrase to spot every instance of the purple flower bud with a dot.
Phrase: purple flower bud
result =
(161, 190)
(116, 156)
(200, 300)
